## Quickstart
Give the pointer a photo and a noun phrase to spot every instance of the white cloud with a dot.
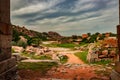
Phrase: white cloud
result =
(36, 7)
(102, 20)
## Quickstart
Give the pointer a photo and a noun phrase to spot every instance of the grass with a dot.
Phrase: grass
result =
(103, 62)
(83, 44)
(82, 56)
(13, 51)
(33, 56)
(65, 45)
(50, 45)
(41, 66)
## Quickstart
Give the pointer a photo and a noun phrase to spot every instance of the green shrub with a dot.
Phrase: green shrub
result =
(33, 56)
(14, 43)
(34, 41)
(42, 57)
(103, 62)
(22, 44)
(13, 51)
(82, 56)
(63, 59)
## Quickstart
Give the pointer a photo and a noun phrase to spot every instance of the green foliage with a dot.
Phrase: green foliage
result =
(83, 44)
(67, 45)
(42, 36)
(102, 37)
(113, 35)
(50, 45)
(43, 57)
(13, 51)
(89, 34)
(103, 62)
(33, 56)
(43, 67)
(22, 44)
(93, 38)
(82, 56)
(63, 59)
(34, 41)
(14, 43)
(64, 45)
(85, 40)
(15, 36)
(74, 36)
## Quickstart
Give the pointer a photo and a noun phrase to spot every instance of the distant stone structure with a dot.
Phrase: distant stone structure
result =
(7, 62)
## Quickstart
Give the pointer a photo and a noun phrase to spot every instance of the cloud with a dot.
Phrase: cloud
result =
(66, 16)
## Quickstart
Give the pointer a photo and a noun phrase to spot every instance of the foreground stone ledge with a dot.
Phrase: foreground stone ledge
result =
(115, 74)
(7, 64)
(3, 66)
(9, 74)
(11, 62)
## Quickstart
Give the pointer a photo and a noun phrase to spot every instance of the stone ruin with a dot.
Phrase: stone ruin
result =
(7, 62)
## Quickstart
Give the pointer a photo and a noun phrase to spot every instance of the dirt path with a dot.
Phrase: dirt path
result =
(73, 59)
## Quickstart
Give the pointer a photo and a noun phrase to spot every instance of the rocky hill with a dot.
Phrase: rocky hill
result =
(31, 33)
(24, 31)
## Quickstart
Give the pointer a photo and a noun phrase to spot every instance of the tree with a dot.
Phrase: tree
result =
(89, 34)
(93, 38)
(15, 36)
(34, 41)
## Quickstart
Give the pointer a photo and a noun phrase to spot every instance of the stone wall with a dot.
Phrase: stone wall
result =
(5, 41)
(5, 11)
(7, 63)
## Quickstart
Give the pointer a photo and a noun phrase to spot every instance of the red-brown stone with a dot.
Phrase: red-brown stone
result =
(5, 29)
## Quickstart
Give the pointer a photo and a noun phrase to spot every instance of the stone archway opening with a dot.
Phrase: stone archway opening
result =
(7, 62)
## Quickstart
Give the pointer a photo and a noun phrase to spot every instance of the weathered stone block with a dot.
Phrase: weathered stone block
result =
(5, 29)
(5, 11)
(3, 66)
(11, 62)
(5, 53)
(8, 69)
(114, 75)
(117, 67)
(5, 41)
(11, 74)
(2, 77)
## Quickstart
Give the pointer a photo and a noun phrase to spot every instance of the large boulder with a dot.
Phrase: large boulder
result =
(18, 49)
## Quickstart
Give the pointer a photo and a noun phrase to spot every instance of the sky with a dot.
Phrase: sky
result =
(67, 17)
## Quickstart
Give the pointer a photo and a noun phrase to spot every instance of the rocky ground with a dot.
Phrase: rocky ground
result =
(74, 69)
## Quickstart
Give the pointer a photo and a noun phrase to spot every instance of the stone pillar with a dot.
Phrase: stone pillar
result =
(115, 74)
(7, 63)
